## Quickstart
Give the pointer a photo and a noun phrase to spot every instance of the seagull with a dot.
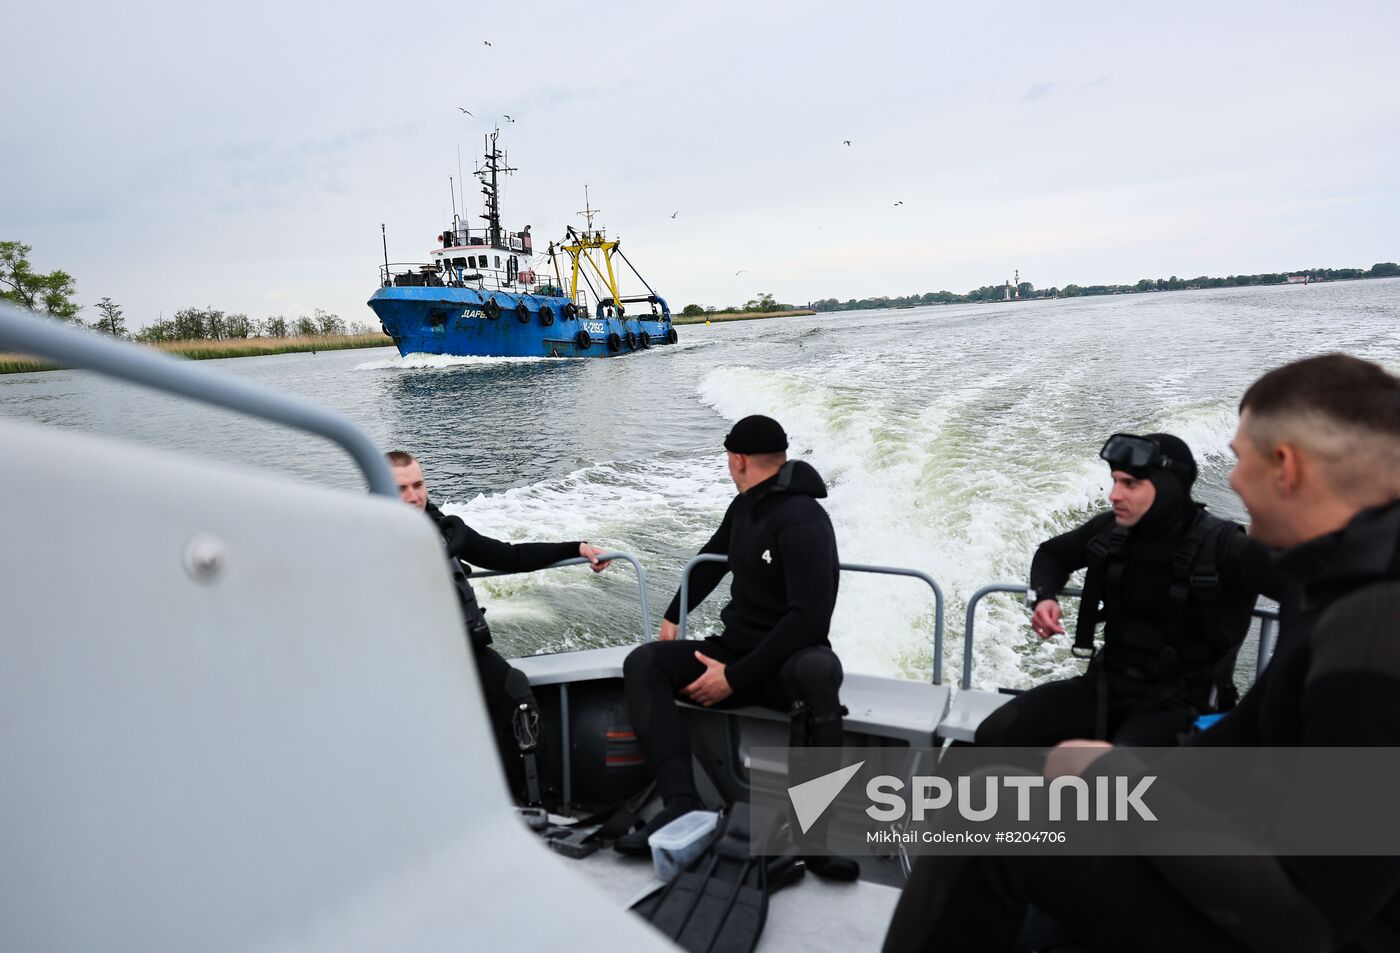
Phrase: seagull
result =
(467, 112)
(486, 42)
(507, 118)
(675, 213)
(739, 272)
(846, 142)
(897, 204)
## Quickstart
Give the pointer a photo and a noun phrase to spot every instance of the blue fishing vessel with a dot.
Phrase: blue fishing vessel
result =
(481, 293)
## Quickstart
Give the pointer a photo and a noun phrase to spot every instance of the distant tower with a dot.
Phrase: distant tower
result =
(1016, 285)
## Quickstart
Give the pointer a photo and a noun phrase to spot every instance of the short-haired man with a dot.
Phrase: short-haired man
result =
(774, 650)
(509, 701)
(1318, 468)
(1175, 587)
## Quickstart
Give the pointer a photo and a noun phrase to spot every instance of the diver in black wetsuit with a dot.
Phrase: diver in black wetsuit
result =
(1176, 585)
(1318, 469)
(509, 701)
(774, 650)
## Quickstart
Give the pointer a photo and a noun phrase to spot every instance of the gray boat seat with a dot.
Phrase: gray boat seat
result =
(969, 709)
(900, 709)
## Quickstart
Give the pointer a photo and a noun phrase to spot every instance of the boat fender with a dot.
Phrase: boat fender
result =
(570, 310)
(646, 340)
(631, 340)
(546, 315)
(522, 313)
(671, 336)
(491, 309)
(584, 340)
(614, 343)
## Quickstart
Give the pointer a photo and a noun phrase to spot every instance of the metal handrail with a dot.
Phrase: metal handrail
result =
(64, 344)
(845, 567)
(1267, 618)
(578, 561)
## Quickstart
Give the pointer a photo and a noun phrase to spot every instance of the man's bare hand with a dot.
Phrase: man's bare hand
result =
(712, 687)
(1074, 757)
(1045, 620)
(669, 631)
(591, 553)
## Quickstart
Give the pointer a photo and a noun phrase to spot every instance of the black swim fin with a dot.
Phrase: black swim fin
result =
(719, 903)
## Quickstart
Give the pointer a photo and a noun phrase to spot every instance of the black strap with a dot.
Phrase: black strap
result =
(525, 721)
(1103, 575)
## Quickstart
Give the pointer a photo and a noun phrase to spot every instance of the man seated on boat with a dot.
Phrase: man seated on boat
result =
(774, 650)
(1318, 468)
(1175, 586)
(509, 701)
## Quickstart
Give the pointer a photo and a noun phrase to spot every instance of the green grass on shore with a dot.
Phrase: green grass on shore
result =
(213, 350)
(739, 316)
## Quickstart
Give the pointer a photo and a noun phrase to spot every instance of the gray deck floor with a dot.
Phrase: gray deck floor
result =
(810, 915)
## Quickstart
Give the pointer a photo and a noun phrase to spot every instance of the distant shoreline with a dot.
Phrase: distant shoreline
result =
(740, 315)
(215, 350)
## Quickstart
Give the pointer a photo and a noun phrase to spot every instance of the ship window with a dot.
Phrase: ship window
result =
(498, 261)
(471, 261)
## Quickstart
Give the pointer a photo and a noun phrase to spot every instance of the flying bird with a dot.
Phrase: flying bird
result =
(897, 204)
(486, 42)
(675, 213)
(739, 272)
(468, 112)
(845, 142)
(507, 118)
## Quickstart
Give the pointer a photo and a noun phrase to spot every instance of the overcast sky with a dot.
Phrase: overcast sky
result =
(243, 155)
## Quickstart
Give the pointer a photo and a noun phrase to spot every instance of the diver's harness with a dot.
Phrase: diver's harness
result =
(1195, 571)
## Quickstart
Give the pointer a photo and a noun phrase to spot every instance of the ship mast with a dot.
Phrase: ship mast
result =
(496, 165)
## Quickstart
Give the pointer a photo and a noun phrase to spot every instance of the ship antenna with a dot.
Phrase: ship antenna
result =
(496, 164)
(453, 192)
(384, 236)
(588, 211)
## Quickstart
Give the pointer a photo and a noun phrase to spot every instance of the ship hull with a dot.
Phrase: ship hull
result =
(460, 321)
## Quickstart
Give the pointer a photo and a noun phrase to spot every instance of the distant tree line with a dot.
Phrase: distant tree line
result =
(763, 304)
(1387, 269)
(52, 294)
(211, 324)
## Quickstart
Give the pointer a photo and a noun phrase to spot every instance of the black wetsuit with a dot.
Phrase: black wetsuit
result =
(504, 687)
(1334, 681)
(782, 553)
(1159, 663)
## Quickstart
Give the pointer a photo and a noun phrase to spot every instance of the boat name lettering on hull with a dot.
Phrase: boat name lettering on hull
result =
(593, 327)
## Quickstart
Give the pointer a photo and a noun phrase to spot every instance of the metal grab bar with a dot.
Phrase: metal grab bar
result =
(1266, 617)
(845, 567)
(63, 344)
(578, 561)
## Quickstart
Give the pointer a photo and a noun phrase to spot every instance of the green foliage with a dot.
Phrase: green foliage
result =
(111, 321)
(1384, 269)
(275, 326)
(692, 311)
(327, 323)
(50, 294)
(304, 327)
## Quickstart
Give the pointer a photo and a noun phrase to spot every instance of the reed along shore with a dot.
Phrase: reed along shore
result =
(233, 347)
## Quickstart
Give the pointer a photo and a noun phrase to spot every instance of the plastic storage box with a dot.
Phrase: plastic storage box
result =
(680, 842)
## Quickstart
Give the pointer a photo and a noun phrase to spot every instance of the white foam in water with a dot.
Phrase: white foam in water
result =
(439, 361)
